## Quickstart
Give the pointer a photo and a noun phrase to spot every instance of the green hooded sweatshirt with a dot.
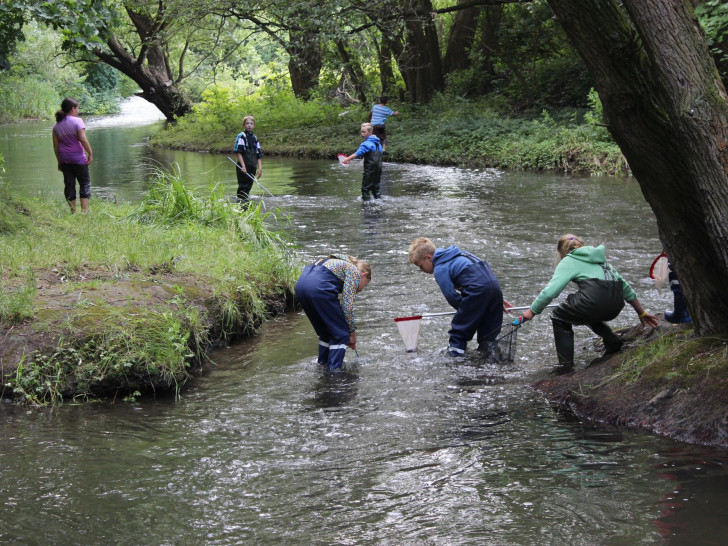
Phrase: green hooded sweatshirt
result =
(583, 263)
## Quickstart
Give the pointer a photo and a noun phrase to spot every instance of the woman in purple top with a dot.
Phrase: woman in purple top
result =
(69, 143)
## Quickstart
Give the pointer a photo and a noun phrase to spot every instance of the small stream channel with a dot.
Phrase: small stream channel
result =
(399, 448)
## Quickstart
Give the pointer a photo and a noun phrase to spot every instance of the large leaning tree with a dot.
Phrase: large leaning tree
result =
(156, 43)
(667, 109)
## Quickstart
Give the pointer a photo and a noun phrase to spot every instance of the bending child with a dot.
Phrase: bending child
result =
(471, 288)
(318, 290)
(600, 298)
(371, 151)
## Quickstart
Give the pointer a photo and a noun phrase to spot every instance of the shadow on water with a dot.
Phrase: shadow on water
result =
(335, 389)
(398, 448)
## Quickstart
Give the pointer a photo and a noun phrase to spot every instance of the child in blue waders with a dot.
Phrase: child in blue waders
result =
(600, 298)
(680, 311)
(471, 288)
(326, 291)
(247, 150)
(371, 151)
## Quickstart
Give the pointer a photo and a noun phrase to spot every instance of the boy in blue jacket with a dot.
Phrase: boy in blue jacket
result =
(371, 151)
(470, 287)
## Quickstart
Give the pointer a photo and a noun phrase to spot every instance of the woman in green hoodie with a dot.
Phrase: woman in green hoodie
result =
(600, 298)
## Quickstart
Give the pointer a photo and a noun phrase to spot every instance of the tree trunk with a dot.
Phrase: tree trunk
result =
(353, 69)
(666, 108)
(304, 65)
(420, 62)
(460, 41)
(156, 84)
(489, 38)
(386, 74)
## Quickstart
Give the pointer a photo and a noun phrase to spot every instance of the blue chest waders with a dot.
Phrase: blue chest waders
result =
(318, 292)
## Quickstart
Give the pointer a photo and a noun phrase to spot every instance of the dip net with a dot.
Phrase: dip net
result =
(659, 271)
(503, 349)
(409, 329)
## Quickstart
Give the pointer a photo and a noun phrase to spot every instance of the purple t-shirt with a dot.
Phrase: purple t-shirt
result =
(70, 150)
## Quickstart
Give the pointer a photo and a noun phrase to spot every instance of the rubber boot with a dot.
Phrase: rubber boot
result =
(323, 355)
(681, 313)
(564, 340)
(612, 342)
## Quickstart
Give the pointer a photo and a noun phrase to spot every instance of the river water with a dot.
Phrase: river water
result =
(399, 448)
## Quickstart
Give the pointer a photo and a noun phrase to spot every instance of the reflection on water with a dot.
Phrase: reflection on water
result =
(399, 448)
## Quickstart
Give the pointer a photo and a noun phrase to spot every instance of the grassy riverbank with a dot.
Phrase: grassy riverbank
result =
(448, 131)
(127, 299)
(668, 382)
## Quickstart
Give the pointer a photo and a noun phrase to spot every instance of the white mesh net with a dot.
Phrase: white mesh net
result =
(409, 329)
(659, 272)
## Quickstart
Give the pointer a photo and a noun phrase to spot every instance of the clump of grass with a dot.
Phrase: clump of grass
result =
(674, 357)
(171, 202)
(120, 351)
(18, 304)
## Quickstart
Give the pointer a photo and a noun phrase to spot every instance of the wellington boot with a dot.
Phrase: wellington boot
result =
(564, 340)
(680, 314)
(612, 342)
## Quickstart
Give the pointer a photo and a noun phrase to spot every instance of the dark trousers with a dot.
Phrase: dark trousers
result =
(595, 303)
(245, 182)
(318, 292)
(380, 131)
(480, 309)
(372, 177)
(71, 173)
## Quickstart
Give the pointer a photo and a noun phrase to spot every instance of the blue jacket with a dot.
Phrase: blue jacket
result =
(448, 264)
(370, 144)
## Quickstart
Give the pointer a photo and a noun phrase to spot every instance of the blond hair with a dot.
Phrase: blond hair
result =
(363, 266)
(567, 243)
(419, 247)
(246, 118)
(368, 126)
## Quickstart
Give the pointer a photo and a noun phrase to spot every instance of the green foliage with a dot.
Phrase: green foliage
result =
(219, 117)
(713, 16)
(28, 97)
(467, 131)
(11, 24)
(84, 23)
(101, 86)
(38, 80)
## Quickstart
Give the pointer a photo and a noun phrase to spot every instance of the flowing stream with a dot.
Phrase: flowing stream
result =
(399, 448)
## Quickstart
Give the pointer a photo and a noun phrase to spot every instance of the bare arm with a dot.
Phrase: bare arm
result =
(55, 150)
(644, 316)
(81, 133)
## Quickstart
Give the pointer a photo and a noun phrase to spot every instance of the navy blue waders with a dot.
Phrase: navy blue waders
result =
(318, 292)
(480, 309)
(372, 177)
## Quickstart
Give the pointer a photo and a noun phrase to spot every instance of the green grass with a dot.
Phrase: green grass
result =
(677, 357)
(232, 267)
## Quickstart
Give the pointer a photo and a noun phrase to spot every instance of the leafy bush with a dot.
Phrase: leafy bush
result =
(29, 97)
